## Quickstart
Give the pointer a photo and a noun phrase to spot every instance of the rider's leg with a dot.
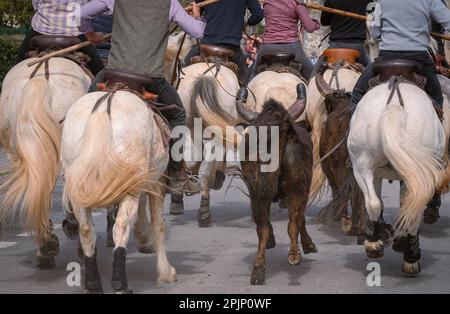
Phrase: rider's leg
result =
(25, 46)
(176, 117)
(95, 64)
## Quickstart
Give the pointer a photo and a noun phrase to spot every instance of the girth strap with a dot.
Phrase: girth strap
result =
(46, 69)
(393, 85)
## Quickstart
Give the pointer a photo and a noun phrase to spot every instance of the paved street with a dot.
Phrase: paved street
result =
(220, 259)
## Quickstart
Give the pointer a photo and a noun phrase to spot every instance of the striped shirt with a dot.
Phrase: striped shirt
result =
(57, 17)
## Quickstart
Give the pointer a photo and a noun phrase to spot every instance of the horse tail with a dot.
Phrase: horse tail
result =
(205, 104)
(34, 170)
(419, 167)
(318, 183)
(100, 175)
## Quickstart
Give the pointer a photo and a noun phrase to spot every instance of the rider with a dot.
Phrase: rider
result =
(281, 31)
(347, 32)
(139, 42)
(403, 29)
(57, 17)
(225, 26)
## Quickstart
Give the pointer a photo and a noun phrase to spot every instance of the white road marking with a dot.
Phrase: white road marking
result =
(25, 234)
(4, 245)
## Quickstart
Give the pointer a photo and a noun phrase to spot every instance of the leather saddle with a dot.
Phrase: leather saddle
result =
(335, 54)
(216, 51)
(46, 42)
(135, 82)
(404, 68)
(278, 58)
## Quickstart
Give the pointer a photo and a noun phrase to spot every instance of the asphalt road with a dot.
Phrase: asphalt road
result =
(220, 259)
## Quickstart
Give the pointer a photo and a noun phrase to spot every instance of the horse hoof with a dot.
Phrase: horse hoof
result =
(99, 291)
(258, 276)
(205, 223)
(411, 269)
(146, 249)
(169, 276)
(93, 287)
(204, 218)
(431, 216)
(127, 290)
(71, 230)
(271, 243)
(46, 262)
(346, 225)
(309, 248)
(294, 258)
(374, 249)
(360, 239)
(176, 208)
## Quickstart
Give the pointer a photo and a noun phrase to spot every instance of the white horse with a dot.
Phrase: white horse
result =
(111, 158)
(398, 140)
(270, 84)
(209, 94)
(30, 131)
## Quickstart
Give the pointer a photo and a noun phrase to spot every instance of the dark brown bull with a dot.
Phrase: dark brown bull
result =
(334, 159)
(290, 181)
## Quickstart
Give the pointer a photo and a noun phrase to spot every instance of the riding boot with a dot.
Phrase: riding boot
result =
(177, 179)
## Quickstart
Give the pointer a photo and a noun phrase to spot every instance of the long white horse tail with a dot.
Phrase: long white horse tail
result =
(419, 167)
(28, 186)
(205, 104)
(100, 175)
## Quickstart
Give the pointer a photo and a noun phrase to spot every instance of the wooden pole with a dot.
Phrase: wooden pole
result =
(356, 16)
(64, 51)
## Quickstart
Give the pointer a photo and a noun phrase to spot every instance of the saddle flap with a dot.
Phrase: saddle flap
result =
(336, 54)
(132, 81)
(277, 58)
(44, 42)
(216, 51)
(405, 68)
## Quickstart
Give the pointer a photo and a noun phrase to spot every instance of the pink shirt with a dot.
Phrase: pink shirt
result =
(282, 18)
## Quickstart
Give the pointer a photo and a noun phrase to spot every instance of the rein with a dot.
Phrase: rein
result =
(217, 66)
(177, 61)
(318, 162)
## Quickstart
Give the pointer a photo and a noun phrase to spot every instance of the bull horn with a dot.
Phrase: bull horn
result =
(324, 88)
(241, 101)
(298, 107)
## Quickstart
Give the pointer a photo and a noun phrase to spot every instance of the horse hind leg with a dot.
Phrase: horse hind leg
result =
(88, 239)
(126, 218)
(261, 215)
(166, 273)
(364, 175)
(48, 249)
(142, 229)
(204, 214)
(410, 247)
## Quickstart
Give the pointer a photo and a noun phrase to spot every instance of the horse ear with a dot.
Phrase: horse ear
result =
(298, 107)
(241, 100)
(324, 88)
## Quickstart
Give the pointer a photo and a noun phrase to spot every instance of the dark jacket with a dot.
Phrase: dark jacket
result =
(225, 20)
(346, 29)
